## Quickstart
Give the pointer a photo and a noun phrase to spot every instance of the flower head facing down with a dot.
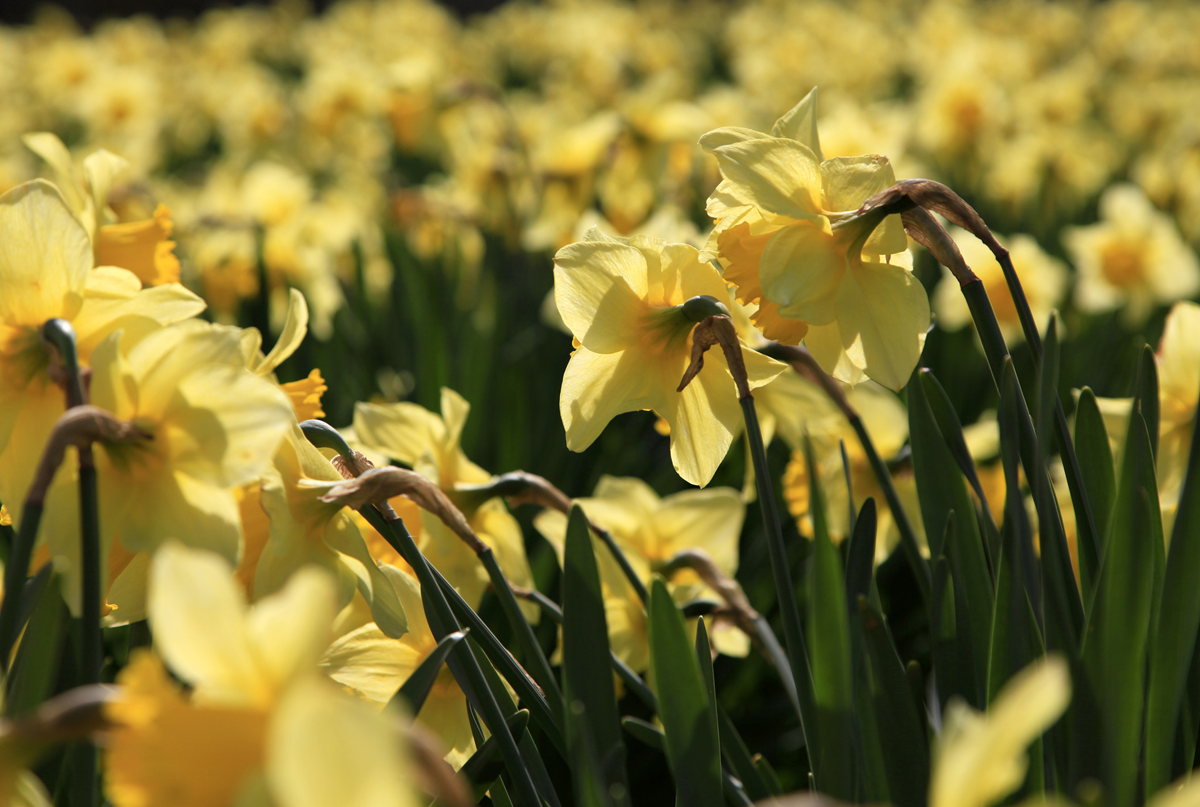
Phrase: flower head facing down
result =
(623, 299)
(787, 234)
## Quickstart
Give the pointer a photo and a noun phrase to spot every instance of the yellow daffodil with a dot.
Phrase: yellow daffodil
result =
(214, 426)
(623, 300)
(304, 530)
(982, 757)
(430, 445)
(651, 531)
(1132, 259)
(260, 726)
(786, 235)
(142, 247)
(46, 271)
(375, 666)
(1043, 278)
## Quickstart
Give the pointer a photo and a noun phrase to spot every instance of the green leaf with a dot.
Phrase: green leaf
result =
(832, 672)
(36, 664)
(645, 732)
(737, 756)
(414, 691)
(860, 557)
(1145, 395)
(1116, 642)
(768, 774)
(693, 747)
(1099, 480)
(942, 492)
(904, 740)
(485, 764)
(704, 662)
(592, 718)
(1174, 644)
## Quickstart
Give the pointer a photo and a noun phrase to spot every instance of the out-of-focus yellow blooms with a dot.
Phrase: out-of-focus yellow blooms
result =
(623, 300)
(430, 445)
(651, 531)
(982, 757)
(260, 726)
(827, 428)
(787, 236)
(1043, 278)
(306, 531)
(1133, 258)
(142, 247)
(369, 662)
(214, 426)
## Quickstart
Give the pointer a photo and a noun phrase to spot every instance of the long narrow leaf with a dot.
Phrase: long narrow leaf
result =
(414, 691)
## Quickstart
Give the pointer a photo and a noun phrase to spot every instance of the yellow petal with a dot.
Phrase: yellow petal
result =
(375, 587)
(800, 123)
(45, 255)
(710, 520)
(101, 169)
(291, 628)
(596, 388)
(295, 327)
(114, 299)
(883, 315)
(402, 431)
(199, 621)
(305, 396)
(776, 175)
(600, 289)
(47, 146)
(801, 270)
(325, 748)
(826, 345)
(849, 181)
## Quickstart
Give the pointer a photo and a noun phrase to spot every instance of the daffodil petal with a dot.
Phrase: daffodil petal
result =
(776, 175)
(596, 388)
(292, 627)
(801, 270)
(886, 310)
(599, 293)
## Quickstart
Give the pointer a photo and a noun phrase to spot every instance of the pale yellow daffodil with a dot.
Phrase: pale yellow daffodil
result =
(982, 758)
(786, 235)
(260, 726)
(623, 300)
(430, 445)
(651, 531)
(375, 666)
(304, 530)
(304, 394)
(142, 247)
(1133, 259)
(213, 427)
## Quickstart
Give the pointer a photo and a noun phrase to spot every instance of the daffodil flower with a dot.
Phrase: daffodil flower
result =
(651, 531)
(213, 427)
(623, 299)
(304, 530)
(788, 237)
(304, 394)
(374, 665)
(261, 726)
(430, 445)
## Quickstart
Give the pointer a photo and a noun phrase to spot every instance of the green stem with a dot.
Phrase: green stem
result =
(793, 631)
(15, 573)
(534, 657)
(908, 536)
(442, 622)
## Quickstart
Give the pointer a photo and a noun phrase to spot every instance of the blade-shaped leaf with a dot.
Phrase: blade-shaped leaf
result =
(693, 748)
(592, 718)
(414, 691)
(1100, 481)
(860, 558)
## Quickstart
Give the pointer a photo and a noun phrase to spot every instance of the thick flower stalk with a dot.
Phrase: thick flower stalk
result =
(788, 237)
(628, 304)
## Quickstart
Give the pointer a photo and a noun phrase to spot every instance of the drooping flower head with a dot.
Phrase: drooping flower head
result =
(623, 299)
(787, 236)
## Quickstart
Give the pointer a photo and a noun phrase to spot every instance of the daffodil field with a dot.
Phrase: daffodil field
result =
(571, 404)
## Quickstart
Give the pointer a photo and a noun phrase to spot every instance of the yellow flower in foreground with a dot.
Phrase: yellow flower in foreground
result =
(261, 727)
(623, 300)
(304, 394)
(430, 445)
(786, 236)
(1133, 258)
(650, 532)
(982, 757)
(374, 665)
(1043, 278)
